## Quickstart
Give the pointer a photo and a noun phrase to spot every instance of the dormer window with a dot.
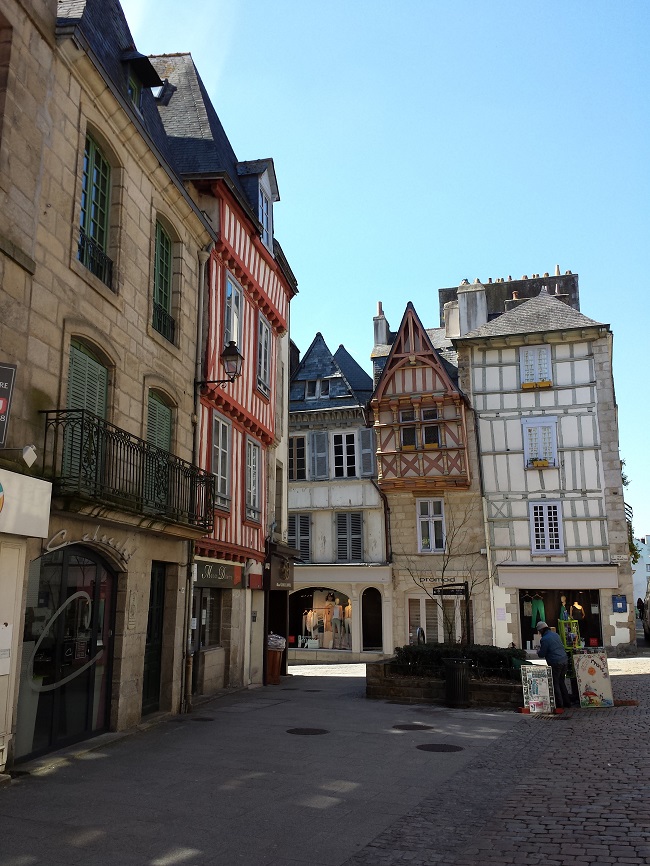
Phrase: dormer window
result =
(134, 92)
(265, 217)
(316, 388)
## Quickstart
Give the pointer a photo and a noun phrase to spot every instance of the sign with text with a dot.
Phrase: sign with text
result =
(537, 682)
(7, 379)
(219, 575)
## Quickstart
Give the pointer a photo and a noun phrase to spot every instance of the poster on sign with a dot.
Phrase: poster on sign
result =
(537, 682)
(594, 684)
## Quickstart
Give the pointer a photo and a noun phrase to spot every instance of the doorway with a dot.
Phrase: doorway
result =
(153, 646)
(67, 651)
(371, 624)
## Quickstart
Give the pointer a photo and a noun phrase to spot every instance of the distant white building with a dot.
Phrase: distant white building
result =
(641, 570)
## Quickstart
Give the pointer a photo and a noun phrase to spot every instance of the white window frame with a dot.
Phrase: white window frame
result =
(233, 312)
(546, 530)
(263, 356)
(299, 534)
(220, 463)
(296, 471)
(408, 425)
(253, 481)
(320, 387)
(540, 441)
(319, 455)
(535, 366)
(431, 520)
(349, 448)
(265, 213)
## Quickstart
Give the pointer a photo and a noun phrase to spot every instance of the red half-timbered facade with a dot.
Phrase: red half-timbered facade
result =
(419, 416)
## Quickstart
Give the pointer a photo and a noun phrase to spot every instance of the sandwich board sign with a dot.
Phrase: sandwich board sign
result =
(537, 682)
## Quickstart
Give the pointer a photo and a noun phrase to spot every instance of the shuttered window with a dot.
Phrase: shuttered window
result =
(95, 195)
(159, 434)
(87, 381)
(319, 461)
(367, 439)
(349, 536)
(298, 534)
(159, 423)
(221, 439)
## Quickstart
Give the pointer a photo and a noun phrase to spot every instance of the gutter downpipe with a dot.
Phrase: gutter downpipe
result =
(186, 699)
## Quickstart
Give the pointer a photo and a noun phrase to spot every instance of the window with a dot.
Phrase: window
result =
(316, 388)
(263, 356)
(159, 434)
(535, 366)
(647, 568)
(367, 439)
(345, 462)
(134, 92)
(546, 527)
(297, 458)
(298, 535)
(408, 432)
(319, 455)
(221, 439)
(162, 285)
(232, 329)
(95, 204)
(349, 536)
(431, 525)
(265, 217)
(430, 432)
(87, 390)
(206, 615)
(253, 481)
(540, 442)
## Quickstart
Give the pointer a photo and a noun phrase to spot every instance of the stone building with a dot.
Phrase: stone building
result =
(342, 603)
(100, 251)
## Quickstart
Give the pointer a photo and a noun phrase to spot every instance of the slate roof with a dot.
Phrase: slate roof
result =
(101, 24)
(440, 342)
(538, 315)
(349, 385)
(197, 139)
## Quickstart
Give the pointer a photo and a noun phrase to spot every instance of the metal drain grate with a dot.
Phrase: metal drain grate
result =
(201, 719)
(307, 732)
(439, 747)
(313, 691)
(413, 727)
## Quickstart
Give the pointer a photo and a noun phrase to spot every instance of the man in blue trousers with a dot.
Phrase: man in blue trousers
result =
(552, 650)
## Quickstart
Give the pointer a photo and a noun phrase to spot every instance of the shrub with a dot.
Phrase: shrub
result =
(486, 661)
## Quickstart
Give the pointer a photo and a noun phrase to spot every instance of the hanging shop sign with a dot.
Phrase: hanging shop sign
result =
(537, 682)
(7, 379)
(281, 573)
(594, 684)
(218, 574)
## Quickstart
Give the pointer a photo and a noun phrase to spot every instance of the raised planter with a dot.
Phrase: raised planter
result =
(384, 681)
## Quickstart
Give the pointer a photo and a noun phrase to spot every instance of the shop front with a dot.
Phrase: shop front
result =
(343, 616)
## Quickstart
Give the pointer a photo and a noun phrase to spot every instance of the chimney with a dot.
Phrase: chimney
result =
(452, 322)
(472, 306)
(381, 327)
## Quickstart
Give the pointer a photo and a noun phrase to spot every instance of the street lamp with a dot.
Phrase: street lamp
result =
(231, 358)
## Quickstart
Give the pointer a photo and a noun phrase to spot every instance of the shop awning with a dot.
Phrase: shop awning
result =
(562, 576)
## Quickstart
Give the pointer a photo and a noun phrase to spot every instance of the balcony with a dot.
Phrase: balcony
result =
(164, 323)
(93, 257)
(92, 459)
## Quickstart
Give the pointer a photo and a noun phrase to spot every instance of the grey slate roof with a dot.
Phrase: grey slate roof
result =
(102, 25)
(541, 314)
(349, 385)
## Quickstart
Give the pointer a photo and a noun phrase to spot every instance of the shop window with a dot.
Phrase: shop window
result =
(546, 528)
(207, 617)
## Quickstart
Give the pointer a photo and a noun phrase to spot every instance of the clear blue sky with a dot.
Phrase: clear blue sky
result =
(420, 142)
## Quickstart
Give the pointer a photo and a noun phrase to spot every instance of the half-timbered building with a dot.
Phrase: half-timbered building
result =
(243, 567)
(427, 470)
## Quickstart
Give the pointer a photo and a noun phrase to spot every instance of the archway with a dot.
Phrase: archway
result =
(371, 621)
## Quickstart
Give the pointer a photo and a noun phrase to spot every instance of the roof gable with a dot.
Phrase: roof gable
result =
(348, 385)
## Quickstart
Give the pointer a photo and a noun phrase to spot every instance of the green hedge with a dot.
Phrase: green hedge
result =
(486, 661)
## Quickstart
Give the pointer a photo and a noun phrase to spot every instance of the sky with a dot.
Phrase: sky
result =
(420, 142)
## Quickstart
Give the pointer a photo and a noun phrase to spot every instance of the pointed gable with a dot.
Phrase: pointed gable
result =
(413, 365)
(326, 381)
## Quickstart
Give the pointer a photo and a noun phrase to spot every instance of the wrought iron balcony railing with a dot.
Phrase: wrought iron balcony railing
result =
(163, 322)
(94, 459)
(93, 257)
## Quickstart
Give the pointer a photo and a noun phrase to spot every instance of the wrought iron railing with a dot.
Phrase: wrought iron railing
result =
(163, 322)
(91, 458)
(92, 256)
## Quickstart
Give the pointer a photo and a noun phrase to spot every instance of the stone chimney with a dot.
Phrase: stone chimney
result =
(381, 327)
(452, 322)
(472, 306)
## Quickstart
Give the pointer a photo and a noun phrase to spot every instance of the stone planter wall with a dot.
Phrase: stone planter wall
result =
(385, 683)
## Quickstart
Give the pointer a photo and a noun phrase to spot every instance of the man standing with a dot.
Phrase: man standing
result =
(552, 650)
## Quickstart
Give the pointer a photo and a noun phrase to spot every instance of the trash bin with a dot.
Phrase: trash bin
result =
(275, 645)
(457, 682)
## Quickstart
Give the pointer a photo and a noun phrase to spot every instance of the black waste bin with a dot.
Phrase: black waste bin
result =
(457, 682)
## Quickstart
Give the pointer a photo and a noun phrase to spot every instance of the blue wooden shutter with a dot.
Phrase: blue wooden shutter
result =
(319, 462)
(367, 439)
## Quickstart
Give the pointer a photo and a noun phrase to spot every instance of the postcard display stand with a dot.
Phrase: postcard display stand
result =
(592, 675)
(537, 682)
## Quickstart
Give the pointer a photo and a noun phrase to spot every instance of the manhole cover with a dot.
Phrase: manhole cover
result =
(439, 747)
(414, 727)
(307, 732)
(201, 719)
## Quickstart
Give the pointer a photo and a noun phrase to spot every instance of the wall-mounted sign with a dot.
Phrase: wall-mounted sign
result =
(619, 603)
(7, 379)
(24, 504)
(218, 574)
(281, 573)
(618, 557)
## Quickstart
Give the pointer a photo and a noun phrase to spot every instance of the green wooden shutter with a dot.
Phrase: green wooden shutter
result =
(82, 449)
(159, 423)
(87, 382)
(159, 433)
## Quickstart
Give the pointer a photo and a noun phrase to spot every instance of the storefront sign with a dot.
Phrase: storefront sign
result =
(60, 539)
(537, 682)
(7, 379)
(594, 684)
(24, 504)
(218, 574)
(281, 574)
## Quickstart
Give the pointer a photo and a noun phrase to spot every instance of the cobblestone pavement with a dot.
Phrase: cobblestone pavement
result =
(555, 790)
